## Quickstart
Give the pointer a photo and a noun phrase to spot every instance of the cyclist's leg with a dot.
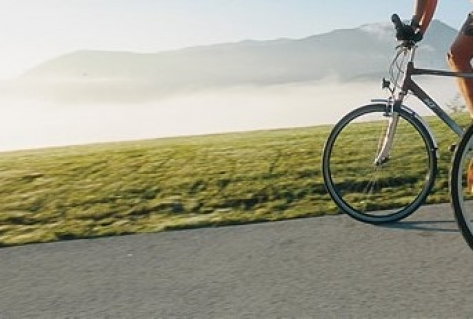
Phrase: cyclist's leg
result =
(459, 59)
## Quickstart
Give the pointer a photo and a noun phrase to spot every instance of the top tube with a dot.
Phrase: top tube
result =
(417, 71)
(411, 69)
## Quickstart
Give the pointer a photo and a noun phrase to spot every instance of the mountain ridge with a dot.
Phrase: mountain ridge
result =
(341, 55)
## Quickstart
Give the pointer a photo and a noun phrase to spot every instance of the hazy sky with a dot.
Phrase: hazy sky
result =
(32, 31)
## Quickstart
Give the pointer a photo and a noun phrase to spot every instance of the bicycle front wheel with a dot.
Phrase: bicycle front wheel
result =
(379, 192)
(461, 185)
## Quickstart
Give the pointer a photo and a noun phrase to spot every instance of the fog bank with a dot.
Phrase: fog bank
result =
(31, 122)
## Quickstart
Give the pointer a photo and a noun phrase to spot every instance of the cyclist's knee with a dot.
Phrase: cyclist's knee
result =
(459, 60)
(460, 54)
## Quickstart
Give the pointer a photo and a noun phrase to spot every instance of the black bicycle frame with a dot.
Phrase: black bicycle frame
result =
(410, 85)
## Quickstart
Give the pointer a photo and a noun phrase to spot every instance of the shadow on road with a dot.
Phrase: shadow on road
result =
(442, 226)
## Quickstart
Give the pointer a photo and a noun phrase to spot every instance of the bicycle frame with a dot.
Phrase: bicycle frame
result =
(409, 85)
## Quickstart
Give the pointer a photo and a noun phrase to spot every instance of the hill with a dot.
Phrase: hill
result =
(342, 55)
(91, 96)
(149, 186)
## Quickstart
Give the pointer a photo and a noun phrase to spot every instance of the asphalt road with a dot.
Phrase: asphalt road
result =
(328, 267)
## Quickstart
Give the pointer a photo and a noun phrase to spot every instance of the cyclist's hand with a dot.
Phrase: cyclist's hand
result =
(406, 32)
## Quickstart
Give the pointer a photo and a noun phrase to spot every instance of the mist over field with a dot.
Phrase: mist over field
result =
(31, 123)
(93, 96)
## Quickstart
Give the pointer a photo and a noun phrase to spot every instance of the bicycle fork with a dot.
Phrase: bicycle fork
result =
(386, 143)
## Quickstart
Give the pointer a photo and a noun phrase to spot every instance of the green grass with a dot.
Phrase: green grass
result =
(150, 186)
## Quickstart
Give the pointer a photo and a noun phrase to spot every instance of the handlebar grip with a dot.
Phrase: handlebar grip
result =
(397, 21)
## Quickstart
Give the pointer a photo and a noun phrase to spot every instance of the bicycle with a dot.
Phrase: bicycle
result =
(400, 161)
(460, 185)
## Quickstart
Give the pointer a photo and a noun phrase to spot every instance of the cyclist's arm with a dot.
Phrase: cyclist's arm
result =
(424, 11)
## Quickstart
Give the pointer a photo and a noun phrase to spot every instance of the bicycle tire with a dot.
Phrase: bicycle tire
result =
(363, 193)
(461, 195)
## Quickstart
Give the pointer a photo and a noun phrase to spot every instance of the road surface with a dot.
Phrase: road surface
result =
(327, 267)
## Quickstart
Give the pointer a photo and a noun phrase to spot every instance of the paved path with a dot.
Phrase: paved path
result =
(329, 267)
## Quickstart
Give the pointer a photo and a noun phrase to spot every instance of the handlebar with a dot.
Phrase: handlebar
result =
(405, 33)
(397, 22)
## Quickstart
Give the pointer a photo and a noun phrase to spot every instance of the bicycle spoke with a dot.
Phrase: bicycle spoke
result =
(366, 190)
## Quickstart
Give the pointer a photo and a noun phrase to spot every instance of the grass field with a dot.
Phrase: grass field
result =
(155, 185)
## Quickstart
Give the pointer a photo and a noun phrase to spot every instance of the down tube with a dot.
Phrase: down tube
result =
(432, 105)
